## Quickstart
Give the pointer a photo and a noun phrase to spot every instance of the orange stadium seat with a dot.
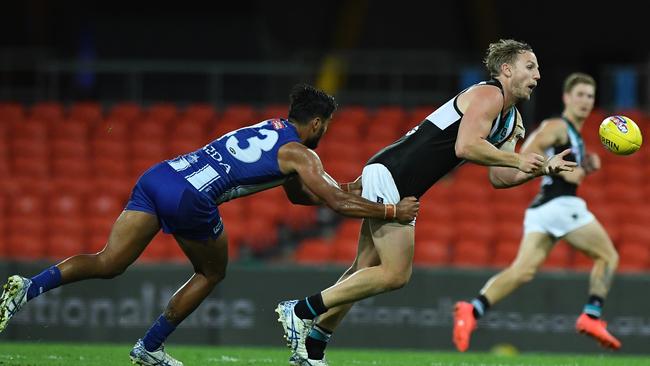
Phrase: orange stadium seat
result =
(430, 252)
(70, 130)
(274, 111)
(11, 112)
(26, 246)
(349, 229)
(189, 129)
(111, 129)
(127, 111)
(30, 168)
(432, 230)
(261, 236)
(31, 149)
(162, 111)
(299, 217)
(160, 248)
(65, 205)
(180, 146)
(98, 228)
(471, 253)
(313, 251)
(476, 230)
(110, 167)
(235, 210)
(418, 114)
(471, 191)
(29, 129)
(70, 185)
(392, 115)
(70, 167)
(505, 252)
(344, 250)
(509, 229)
(104, 205)
(77, 148)
(559, 257)
(634, 256)
(581, 261)
(65, 237)
(149, 131)
(89, 112)
(239, 114)
(354, 114)
(117, 149)
(470, 210)
(631, 231)
(48, 111)
(26, 206)
(200, 112)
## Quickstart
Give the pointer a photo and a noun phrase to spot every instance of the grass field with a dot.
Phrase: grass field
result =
(36, 354)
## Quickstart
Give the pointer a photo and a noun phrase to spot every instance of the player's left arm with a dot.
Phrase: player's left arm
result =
(300, 194)
(546, 135)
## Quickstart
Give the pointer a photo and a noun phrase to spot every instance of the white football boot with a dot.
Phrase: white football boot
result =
(13, 298)
(140, 356)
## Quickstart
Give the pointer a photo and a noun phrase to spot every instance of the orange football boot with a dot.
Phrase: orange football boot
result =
(597, 329)
(464, 324)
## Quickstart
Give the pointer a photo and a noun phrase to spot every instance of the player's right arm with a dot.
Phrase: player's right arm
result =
(296, 158)
(547, 135)
(481, 105)
(551, 133)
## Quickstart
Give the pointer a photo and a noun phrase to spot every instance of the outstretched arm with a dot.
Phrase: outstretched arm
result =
(296, 158)
(544, 137)
(481, 105)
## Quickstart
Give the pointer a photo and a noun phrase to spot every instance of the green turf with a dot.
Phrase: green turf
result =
(35, 354)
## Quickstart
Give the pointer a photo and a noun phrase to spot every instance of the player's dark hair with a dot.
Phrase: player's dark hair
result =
(308, 103)
(503, 51)
(578, 78)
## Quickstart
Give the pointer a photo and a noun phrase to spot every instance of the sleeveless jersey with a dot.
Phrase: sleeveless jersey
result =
(556, 186)
(427, 152)
(238, 163)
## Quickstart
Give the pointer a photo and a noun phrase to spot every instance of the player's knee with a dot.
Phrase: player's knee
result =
(108, 267)
(525, 274)
(395, 280)
(214, 277)
(611, 258)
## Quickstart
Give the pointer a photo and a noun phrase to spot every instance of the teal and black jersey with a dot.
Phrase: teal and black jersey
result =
(427, 152)
(556, 186)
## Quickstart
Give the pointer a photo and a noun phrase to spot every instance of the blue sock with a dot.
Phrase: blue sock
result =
(157, 334)
(44, 281)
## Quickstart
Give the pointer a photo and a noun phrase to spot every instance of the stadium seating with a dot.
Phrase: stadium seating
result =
(66, 172)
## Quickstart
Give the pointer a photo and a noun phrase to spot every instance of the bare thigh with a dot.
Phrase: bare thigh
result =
(533, 250)
(394, 244)
(592, 239)
(208, 257)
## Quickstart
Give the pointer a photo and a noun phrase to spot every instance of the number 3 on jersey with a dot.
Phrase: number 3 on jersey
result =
(256, 145)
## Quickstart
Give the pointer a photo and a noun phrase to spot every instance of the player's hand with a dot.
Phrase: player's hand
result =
(530, 162)
(591, 163)
(407, 209)
(556, 164)
(353, 187)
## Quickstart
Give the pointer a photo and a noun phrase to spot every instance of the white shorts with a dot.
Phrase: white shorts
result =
(378, 185)
(558, 216)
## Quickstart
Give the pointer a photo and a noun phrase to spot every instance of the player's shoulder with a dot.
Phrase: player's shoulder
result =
(553, 124)
(297, 152)
(483, 97)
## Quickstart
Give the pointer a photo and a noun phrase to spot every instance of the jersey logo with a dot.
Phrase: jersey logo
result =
(277, 124)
